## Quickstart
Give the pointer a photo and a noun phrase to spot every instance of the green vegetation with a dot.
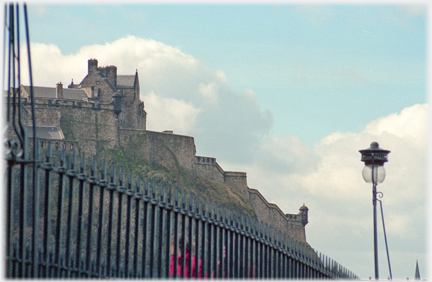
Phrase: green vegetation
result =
(179, 178)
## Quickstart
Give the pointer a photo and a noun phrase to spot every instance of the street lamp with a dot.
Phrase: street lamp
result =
(374, 172)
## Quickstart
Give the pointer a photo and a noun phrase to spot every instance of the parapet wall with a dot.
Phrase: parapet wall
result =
(291, 224)
(95, 127)
(169, 150)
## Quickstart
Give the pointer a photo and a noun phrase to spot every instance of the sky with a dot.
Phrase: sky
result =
(286, 92)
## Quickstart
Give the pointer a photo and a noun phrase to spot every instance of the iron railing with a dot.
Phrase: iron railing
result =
(67, 218)
(85, 221)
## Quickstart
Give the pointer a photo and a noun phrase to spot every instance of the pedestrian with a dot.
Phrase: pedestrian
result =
(181, 246)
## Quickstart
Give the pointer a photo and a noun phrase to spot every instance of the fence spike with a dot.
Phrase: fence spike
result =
(147, 187)
(184, 200)
(121, 184)
(177, 198)
(162, 193)
(198, 206)
(215, 211)
(73, 162)
(204, 213)
(191, 201)
(227, 218)
(222, 214)
(210, 209)
(169, 196)
(154, 189)
(93, 169)
(63, 164)
(112, 176)
(103, 179)
(138, 190)
(130, 183)
(48, 154)
(83, 165)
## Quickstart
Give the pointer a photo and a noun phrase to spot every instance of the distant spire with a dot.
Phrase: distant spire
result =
(417, 272)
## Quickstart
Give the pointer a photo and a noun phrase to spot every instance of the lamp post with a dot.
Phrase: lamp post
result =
(374, 172)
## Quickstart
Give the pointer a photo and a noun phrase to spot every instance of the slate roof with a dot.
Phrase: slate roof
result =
(50, 92)
(46, 132)
(125, 81)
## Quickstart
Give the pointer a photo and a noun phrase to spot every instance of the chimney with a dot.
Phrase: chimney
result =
(59, 90)
(111, 73)
(92, 65)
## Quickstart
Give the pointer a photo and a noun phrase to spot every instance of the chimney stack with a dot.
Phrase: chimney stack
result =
(92, 65)
(59, 90)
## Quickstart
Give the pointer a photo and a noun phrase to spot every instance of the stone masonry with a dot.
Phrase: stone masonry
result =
(104, 111)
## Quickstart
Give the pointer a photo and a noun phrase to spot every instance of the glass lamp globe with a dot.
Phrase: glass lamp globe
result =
(378, 175)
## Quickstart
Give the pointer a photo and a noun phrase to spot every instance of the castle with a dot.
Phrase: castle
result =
(104, 111)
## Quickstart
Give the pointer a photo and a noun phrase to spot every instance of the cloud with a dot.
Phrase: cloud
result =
(412, 10)
(182, 94)
(175, 113)
(179, 92)
(328, 177)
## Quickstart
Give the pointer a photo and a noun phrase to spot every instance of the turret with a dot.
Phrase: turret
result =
(304, 214)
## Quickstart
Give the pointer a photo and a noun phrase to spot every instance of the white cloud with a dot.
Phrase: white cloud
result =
(179, 92)
(288, 173)
(176, 114)
(209, 91)
(183, 95)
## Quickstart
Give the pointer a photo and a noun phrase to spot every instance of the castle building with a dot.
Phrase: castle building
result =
(104, 111)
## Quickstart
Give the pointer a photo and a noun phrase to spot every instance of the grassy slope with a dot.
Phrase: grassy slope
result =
(203, 188)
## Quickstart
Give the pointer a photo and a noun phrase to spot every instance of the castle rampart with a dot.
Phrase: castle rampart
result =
(111, 118)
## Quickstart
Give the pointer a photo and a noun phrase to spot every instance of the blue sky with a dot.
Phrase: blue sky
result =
(332, 47)
(287, 93)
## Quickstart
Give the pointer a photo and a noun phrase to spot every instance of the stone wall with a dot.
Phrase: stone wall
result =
(169, 150)
(94, 128)
(291, 224)
(208, 168)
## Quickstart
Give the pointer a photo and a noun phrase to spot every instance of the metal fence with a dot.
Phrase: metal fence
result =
(67, 217)
(78, 220)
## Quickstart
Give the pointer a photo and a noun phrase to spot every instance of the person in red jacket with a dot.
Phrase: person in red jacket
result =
(179, 261)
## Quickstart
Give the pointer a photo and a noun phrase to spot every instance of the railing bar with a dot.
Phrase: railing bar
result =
(183, 243)
(128, 233)
(137, 237)
(9, 214)
(168, 215)
(81, 200)
(46, 219)
(219, 258)
(203, 241)
(110, 230)
(60, 204)
(190, 246)
(162, 243)
(89, 227)
(69, 226)
(160, 231)
(152, 248)
(100, 229)
(198, 266)
(174, 261)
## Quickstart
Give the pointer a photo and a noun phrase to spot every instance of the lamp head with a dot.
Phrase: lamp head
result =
(374, 155)
(374, 159)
